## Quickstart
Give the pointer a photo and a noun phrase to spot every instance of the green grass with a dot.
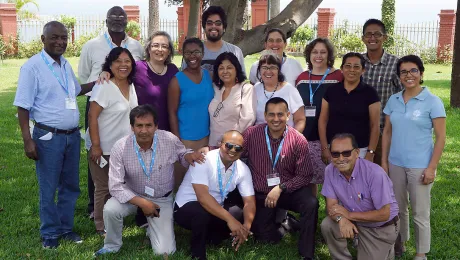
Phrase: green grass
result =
(19, 220)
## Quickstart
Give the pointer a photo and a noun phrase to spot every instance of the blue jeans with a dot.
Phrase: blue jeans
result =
(57, 169)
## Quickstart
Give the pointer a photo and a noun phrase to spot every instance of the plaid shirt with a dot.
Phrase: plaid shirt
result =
(382, 76)
(126, 176)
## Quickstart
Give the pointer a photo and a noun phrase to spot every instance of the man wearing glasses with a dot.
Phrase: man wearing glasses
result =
(380, 71)
(208, 203)
(360, 202)
(93, 56)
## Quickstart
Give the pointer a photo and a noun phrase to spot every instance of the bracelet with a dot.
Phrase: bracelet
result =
(324, 149)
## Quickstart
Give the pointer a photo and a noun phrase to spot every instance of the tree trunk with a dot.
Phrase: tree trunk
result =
(192, 28)
(274, 8)
(455, 87)
(154, 16)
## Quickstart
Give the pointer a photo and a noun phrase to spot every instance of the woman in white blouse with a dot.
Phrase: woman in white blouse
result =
(234, 103)
(108, 117)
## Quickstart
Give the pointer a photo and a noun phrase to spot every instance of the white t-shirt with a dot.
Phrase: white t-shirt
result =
(291, 69)
(206, 174)
(288, 93)
(113, 121)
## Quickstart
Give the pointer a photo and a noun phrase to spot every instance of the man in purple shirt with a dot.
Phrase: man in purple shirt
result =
(361, 204)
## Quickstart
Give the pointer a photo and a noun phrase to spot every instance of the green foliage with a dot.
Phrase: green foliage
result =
(29, 49)
(403, 46)
(346, 39)
(302, 35)
(133, 29)
(68, 21)
(2, 47)
(446, 55)
(388, 18)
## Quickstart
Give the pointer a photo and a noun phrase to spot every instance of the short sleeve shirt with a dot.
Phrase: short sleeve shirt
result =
(412, 128)
(349, 112)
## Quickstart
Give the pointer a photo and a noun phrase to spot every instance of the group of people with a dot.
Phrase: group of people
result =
(241, 153)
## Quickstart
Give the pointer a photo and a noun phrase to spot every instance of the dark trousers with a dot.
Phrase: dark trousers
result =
(301, 201)
(90, 179)
(205, 227)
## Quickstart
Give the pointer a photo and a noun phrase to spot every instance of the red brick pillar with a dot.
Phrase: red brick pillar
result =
(8, 21)
(325, 21)
(183, 13)
(446, 33)
(132, 11)
(259, 12)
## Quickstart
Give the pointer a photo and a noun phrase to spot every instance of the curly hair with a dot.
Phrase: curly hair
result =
(240, 76)
(113, 56)
(330, 52)
(213, 9)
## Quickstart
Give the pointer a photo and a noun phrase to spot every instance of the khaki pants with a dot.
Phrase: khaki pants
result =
(374, 243)
(407, 185)
(100, 178)
(179, 170)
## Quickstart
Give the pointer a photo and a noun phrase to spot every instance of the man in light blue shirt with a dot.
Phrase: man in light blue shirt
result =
(46, 93)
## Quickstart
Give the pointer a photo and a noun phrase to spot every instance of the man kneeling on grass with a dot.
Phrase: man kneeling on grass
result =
(207, 202)
(141, 175)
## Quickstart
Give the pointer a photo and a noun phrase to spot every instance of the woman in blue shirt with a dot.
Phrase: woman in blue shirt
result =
(408, 153)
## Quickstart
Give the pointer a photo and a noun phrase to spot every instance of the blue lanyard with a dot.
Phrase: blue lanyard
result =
(66, 86)
(109, 42)
(270, 148)
(141, 161)
(223, 192)
(319, 85)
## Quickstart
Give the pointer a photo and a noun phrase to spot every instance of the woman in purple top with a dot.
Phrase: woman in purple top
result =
(154, 74)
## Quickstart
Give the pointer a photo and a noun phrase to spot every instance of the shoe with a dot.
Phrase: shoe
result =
(103, 251)
(420, 258)
(141, 219)
(291, 224)
(51, 243)
(72, 236)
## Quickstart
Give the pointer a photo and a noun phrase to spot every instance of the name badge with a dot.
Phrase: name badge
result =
(70, 103)
(310, 111)
(273, 179)
(149, 191)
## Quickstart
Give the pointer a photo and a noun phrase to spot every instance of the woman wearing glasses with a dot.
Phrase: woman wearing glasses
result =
(351, 107)
(408, 153)
(234, 103)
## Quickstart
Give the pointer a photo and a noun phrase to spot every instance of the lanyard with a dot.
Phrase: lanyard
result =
(319, 85)
(224, 192)
(270, 148)
(66, 86)
(109, 42)
(141, 161)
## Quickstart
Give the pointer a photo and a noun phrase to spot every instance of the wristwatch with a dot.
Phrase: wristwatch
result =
(338, 218)
(370, 151)
(283, 187)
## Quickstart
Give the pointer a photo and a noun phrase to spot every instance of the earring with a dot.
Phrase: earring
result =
(236, 79)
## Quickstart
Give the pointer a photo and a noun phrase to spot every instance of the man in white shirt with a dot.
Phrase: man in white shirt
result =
(206, 195)
(93, 56)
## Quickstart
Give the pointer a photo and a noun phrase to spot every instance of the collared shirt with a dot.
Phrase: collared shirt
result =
(382, 76)
(294, 164)
(126, 176)
(369, 188)
(94, 52)
(41, 93)
(412, 128)
(206, 174)
(349, 112)
(236, 112)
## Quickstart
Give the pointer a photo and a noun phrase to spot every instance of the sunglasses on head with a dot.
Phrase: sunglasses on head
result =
(230, 146)
(344, 153)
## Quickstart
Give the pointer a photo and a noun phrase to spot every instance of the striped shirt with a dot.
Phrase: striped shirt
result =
(126, 176)
(294, 165)
(382, 76)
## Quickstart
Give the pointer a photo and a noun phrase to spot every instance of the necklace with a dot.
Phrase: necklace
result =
(153, 69)
(276, 87)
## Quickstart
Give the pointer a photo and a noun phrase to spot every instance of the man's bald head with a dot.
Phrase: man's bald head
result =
(54, 39)
(117, 20)
(231, 146)
(232, 135)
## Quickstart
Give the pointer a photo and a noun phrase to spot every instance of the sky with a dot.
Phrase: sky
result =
(407, 11)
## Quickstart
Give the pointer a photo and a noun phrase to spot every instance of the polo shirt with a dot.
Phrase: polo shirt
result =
(349, 112)
(369, 188)
(412, 128)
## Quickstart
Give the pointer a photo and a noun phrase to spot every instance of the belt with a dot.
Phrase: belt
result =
(167, 194)
(56, 130)
(391, 222)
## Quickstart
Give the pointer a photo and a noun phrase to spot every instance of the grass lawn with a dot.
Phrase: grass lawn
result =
(19, 219)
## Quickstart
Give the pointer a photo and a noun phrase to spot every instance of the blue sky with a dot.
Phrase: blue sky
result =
(407, 11)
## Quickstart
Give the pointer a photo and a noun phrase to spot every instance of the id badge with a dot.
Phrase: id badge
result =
(149, 191)
(70, 103)
(273, 179)
(310, 111)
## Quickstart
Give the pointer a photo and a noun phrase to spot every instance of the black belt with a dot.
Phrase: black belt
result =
(391, 222)
(56, 130)
(167, 194)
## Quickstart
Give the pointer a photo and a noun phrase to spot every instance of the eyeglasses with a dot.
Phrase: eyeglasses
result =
(354, 67)
(279, 40)
(375, 34)
(230, 146)
(190, 53)
(216, 23)
(344, 153)
(413, 72)
(271, 68)
(157, 46)
(219, 107)
(119, 17)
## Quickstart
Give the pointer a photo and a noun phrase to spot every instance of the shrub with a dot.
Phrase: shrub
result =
(133, 29)
(346, 39)
(302, 35)
(29, 49)
(2, 47)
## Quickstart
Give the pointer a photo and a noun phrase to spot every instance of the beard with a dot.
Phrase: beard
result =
(216, 38)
